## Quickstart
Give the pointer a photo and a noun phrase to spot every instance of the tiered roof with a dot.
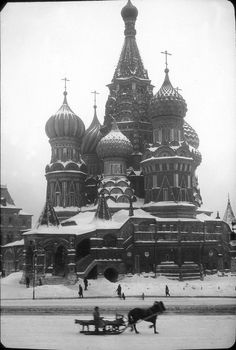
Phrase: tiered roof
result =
(130, 63)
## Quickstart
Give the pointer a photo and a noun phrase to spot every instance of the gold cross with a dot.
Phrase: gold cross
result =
(65, 81)
(95, 93)
(166, 53)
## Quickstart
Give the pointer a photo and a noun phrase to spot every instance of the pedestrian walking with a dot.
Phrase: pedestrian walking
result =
(119, 290)
(27, 281)
(123, 296)
(85, 284)
(80, 291)
(167, 291)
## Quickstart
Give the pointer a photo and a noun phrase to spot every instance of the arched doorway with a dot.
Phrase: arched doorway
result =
(83, 249)
(111, 274)
(60, 260)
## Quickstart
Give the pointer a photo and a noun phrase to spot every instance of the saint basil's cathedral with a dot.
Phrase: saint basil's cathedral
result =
(123, 197)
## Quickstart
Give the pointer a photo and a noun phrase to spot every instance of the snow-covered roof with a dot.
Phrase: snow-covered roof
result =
(13, 244)
(9, 206)
(85, 222)
(24, 213)
(66, 209)
(205, 217)
(168, 203)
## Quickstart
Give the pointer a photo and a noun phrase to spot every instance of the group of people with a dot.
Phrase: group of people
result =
(81, 292)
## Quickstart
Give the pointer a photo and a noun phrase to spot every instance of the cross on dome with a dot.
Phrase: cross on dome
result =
(178, 89)
(65, 79)
(95, 93)
(166, 53)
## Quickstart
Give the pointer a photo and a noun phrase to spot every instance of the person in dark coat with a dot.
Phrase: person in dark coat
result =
(119, 290)
(27, 281)
(123, 296)
(80, 291)
(85, 284)
(167, 291)
(97, 319)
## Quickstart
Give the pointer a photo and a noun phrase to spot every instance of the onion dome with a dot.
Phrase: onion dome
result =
(92, 136)
(129, 11)
(190, 135)
(114, 144)
(167, 101)
(65, 123)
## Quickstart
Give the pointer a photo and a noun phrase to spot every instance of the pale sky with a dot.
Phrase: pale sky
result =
(41, 43)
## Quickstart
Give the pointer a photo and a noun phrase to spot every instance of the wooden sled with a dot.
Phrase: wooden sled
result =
(107, 327)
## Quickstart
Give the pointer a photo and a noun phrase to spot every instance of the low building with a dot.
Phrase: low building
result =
(14, 222)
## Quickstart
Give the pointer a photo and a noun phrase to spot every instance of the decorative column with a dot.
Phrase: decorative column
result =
(40, 262)
(179, 252)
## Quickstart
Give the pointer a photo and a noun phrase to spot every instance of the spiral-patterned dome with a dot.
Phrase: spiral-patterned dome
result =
(167, 101)
(190, 135)
(114, 144)
(92, 136)
(65, 123)
(129, 11)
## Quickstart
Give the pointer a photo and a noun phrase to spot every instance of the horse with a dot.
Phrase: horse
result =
(149, 315)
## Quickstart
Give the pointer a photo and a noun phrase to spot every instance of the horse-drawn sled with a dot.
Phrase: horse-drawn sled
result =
(101, 326)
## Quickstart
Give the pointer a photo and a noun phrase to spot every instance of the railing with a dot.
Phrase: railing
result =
(82, 264)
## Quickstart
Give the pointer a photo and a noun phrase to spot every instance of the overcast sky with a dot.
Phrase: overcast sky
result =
(43, 42)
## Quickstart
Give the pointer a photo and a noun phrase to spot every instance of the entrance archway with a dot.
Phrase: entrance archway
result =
(83, 249)
(111, 274)
(60, 260)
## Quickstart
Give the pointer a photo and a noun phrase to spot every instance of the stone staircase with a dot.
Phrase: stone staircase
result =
(188, 271)
(84, 265)
(54, 280)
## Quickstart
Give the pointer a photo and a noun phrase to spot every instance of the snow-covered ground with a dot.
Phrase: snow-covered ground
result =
(175, 332)
(212, 285)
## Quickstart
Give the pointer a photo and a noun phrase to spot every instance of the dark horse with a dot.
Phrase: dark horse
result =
(149, 315)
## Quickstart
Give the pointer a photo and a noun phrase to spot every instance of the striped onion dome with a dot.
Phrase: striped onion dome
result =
(92, 136)
(65, 123)
(190, 135)
(114, 144)
(167, 101)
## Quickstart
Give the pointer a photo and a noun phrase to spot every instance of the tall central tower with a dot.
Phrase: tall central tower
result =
(130, 92)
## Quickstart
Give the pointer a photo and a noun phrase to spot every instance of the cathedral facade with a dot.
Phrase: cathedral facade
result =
(123, 197)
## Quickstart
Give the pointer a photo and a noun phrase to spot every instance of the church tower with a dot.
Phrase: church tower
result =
(130, 92)
(169, 165)
(67, 171)
(114, 149)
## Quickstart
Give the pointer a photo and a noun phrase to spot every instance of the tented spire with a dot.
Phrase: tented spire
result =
(103, 211)
(229, 216)
(48, 216)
